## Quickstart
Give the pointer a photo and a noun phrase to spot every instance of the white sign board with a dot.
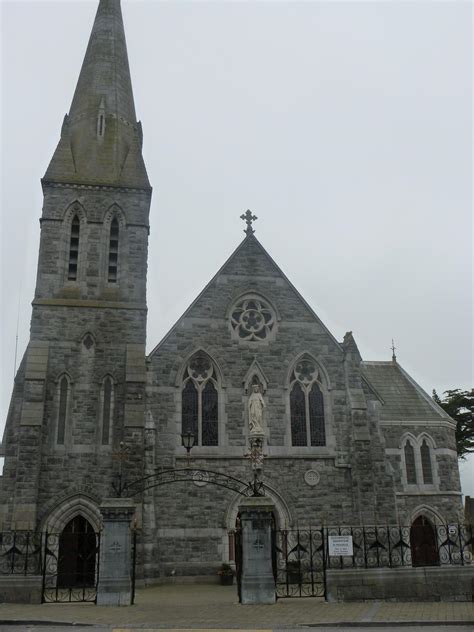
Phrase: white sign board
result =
(340, 545)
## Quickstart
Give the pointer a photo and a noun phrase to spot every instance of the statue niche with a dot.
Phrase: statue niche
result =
(256, 406)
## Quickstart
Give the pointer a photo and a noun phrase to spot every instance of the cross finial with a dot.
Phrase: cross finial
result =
(249, 218)
(393, 347)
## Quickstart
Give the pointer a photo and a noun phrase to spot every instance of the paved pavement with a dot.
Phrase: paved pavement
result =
(215, 607)
(94, 628)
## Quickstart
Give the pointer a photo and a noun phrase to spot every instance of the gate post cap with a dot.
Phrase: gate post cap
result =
(117, 508)
(257, 503)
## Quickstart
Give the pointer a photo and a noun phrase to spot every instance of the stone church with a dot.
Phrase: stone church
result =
(346, 441)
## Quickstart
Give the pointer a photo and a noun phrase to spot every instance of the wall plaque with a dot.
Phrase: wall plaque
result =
(340, 545)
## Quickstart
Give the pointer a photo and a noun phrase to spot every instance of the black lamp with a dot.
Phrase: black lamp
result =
(187, 440)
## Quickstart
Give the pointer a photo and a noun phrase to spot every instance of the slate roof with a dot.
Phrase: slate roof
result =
(403, 399)
(104, 88)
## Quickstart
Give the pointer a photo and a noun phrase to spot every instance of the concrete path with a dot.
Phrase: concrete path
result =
(214, 607)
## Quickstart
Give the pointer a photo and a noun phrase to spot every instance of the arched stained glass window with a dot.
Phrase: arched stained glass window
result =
(316, 416)
(307, 405)
(107, 409)
(200, 401)
(298, 416)
(209, 414)
(74, 249)
(62, 409)
(410, 463)
(113, 251)
(190, 408)
(426, 463)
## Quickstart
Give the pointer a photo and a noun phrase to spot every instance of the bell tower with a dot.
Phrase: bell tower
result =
(80, 388)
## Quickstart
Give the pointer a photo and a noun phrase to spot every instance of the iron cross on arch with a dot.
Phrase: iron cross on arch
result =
(248, 217)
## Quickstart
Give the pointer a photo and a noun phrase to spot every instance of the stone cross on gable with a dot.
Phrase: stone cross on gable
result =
(248, 218)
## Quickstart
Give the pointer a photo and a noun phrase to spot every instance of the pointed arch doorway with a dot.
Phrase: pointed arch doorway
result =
(424, 551)
(71, 563)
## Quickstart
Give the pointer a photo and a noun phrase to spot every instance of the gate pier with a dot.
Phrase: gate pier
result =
(257, 583)
(115, 576)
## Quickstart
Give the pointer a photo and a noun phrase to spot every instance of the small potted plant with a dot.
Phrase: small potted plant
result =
(226, 574)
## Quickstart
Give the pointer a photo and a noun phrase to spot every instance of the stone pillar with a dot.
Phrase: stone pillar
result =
(115, 571)
(257, 580)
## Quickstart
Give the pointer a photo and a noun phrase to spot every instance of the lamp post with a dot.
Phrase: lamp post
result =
(187, 440)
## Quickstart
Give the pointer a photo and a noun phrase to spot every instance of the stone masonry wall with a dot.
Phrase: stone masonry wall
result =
(183, 513)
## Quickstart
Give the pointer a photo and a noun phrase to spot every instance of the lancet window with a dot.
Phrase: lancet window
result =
(107, 409)
(113, 251)
(410, 463)
(200, 400)
(418, 461)
(307, 405)
(426, 468)
(74, 248)
(63, 405)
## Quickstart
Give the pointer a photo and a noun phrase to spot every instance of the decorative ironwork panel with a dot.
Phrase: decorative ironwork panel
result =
(198, 476)
(20, 553)
(455, 544)
(299, 563)
(394, 546)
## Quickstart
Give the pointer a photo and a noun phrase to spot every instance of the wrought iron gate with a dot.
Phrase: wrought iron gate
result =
(299, 558)
(71, 566)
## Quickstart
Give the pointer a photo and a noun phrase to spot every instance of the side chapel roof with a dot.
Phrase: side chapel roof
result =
(403, 398)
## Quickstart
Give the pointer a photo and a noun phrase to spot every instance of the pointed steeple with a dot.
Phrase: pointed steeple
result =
(101, 139)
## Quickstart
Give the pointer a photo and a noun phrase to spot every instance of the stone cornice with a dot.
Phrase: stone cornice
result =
(86, 303)
(60, 221)
(440, 423)
(98, 187)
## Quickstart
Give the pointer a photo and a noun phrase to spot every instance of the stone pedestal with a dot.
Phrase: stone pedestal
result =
(115, 585)
(257, 581)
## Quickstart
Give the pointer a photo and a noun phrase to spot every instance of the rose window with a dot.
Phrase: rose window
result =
(252, 320)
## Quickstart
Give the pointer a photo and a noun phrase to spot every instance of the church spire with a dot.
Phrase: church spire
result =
(101, 138)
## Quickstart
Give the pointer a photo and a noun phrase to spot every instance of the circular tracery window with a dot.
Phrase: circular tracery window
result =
(252, 320)
(305, 371)
(200, 368)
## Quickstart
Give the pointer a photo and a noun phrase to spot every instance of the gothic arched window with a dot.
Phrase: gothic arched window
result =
(74, 249)
(426, 468)
(419, 461)
(410, 466)
(113, 251)
(200, 401)
(63, 401)
(107, 409)
(307, 405)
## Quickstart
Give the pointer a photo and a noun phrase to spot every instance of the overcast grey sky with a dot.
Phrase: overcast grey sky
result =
(346, 127)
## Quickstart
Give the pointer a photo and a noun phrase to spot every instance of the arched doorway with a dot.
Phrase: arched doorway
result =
(77, 554)
(424, 551)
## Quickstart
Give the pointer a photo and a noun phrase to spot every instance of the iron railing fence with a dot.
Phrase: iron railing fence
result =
(21, 553)
(299, 562)
(25, 553)
(395, 546)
